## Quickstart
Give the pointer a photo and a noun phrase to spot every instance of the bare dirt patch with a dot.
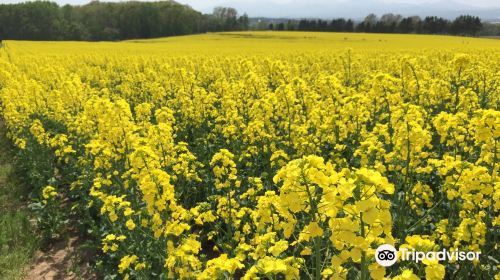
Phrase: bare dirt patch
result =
(62, 260)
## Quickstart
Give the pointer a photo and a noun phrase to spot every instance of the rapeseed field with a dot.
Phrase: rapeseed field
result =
(263, 155)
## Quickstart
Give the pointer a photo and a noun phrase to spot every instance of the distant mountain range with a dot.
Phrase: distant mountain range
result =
(355, 9)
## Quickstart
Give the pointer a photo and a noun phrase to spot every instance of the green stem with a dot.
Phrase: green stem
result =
(364, 267)
(317, 254)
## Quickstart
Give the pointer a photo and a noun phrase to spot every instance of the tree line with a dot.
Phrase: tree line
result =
(96, 21)
(388, 23)
(102, 21)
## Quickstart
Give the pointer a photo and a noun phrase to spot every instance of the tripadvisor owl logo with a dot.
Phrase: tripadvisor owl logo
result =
(386, 255)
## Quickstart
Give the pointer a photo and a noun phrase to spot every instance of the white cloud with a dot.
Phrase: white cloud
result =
(476, 3)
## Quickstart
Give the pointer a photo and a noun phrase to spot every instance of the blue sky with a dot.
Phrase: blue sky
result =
(334, 8)
(207, 5)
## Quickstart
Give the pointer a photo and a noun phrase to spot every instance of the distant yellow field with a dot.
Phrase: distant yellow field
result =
(262, 42)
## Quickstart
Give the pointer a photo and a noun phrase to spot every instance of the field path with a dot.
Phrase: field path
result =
(61, 261)
(20, 257)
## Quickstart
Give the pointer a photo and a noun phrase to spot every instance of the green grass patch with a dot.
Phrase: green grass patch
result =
(17, 236)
